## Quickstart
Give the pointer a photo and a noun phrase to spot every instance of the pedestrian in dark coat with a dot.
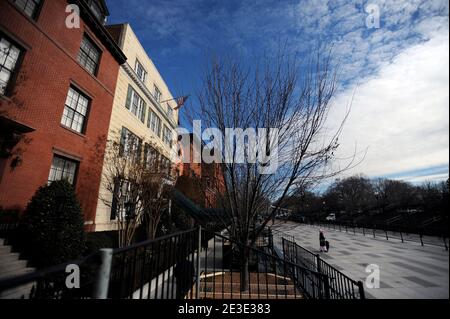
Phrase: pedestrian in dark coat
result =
(322, 241)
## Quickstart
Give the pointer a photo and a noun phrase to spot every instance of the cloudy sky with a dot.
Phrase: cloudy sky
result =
(397, 73)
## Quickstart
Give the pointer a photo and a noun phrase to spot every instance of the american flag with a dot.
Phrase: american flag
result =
(181, 101)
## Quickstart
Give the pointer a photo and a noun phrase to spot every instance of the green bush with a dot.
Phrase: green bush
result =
(99, 240)
(52, 227)
(9, 215)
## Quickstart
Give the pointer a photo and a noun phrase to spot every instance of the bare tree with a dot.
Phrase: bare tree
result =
(281, 94)
(139, 181)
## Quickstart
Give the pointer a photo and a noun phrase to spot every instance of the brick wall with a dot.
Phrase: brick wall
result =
(48, 69)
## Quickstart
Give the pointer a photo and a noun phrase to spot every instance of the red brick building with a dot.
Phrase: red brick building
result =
(202, 183)
(57, 88)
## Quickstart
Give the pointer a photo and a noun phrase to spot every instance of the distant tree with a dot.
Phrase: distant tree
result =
(139, 182)
(353, 194)
(283, 95)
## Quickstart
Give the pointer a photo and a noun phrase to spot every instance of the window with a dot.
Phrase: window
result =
(136, 104)
(151, 156)
(167, 136)
(122, 205)
(169, 111)
(75, 111)
(9, 57)
(62, 169)
(96, 10)
(140, 71)
(89, 55)
(158, 94)
(154, 122)
(130, 145)
(29, 7)
(165, 165)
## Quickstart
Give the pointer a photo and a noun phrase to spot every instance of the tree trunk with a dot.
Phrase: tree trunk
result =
(245, 275)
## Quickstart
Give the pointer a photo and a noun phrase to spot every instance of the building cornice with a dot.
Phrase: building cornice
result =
(100, 31)
(129, 70)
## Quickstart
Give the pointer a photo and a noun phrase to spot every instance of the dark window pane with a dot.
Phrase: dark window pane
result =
(75, 111)
(29, 7)
(89, 55)
(9, 55)
(62, 169)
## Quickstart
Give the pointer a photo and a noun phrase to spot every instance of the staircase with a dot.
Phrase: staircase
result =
(267, 286)
(12, 266)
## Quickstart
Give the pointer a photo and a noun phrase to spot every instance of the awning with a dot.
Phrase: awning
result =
(201, 215)
(7, 124)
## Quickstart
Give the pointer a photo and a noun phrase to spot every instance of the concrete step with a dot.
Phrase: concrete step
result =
(228, 295)
(5, 249)
(21, 292)
(12, 266)
(270, 289)
(16, 273)
(5, 258)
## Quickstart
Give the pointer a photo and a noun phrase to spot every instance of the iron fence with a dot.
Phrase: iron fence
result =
(388, 233)
(195, 264)
(8, 231)
(340, 285)
(55, 282)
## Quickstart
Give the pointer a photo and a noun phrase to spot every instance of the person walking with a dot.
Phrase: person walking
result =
(322, 241)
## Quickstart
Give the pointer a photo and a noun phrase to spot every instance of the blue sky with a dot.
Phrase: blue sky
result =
(398, 72)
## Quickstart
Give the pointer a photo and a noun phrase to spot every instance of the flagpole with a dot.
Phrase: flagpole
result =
(174, 99)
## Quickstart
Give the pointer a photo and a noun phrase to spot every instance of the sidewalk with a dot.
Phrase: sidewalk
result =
(407, 270)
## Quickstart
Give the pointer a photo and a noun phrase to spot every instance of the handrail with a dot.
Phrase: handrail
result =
(149, 242)
(341, 286)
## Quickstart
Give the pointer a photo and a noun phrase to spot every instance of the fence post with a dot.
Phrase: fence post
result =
(445, 243)
(387, 238)
(362, 294)
(364, 234)
(197, 284)
(354, 230)
(326, 286)
(340, 228)
(101, 286)
(401, 236)
(318, 263)
(374, 233)
(421, 239)
(346, 229)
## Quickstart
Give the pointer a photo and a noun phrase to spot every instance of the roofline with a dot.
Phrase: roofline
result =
(100, 30)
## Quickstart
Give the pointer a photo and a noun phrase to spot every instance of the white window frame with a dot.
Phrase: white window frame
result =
(140, 71)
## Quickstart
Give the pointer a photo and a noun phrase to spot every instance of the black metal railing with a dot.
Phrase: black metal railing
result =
(8, 231)
(387, 232)
(55, 282)
(156, 269)
(341, 286)
(199, 264)
(195, 264)
(231, 270)
(299, 255)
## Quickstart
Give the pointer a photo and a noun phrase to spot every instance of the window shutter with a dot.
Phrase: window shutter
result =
(123, 141)
(114, 204)
(129, 96)
(143, 111)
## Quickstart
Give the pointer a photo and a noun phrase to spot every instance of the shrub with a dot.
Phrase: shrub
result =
(99, 240)
(52, 228)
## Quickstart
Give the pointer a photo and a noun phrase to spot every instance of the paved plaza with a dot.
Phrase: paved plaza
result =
(407, 270)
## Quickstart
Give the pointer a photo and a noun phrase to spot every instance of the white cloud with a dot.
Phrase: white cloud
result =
(401, 114)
